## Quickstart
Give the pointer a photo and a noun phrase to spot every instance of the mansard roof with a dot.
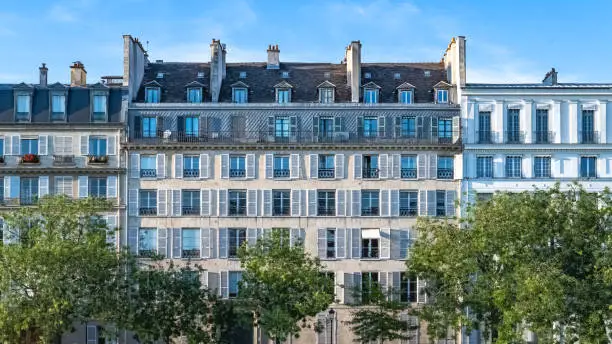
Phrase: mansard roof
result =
(326, 84)
(283, 84)
(405, 85)
(239, 84)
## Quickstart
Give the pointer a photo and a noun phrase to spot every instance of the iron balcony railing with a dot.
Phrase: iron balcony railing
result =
(370, 173)
(484, 136)
(148, 172)
(281, 173)
(191, 253)
(281, 211)
(190, 210)
(237, 172)
(543, 136)
(237, 210)
(23, 200)
(369, 211)
(408, 173)
(589, 136)
(515, 136)
(410, 211)
(63, 160)
(325, 173)
(147, 211)
(369, 253)
(326, 211)
(445, 173)
(147, 253)
(191, 173)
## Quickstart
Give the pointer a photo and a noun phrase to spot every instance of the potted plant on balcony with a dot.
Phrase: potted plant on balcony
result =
(97, 159)
(30, 159)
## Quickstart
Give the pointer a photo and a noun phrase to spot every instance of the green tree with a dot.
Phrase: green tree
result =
(532, 260)
(282, 285)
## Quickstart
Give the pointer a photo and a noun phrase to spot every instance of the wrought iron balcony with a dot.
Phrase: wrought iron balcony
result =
(97, 159)
(408, 173)
(410, 211)
(190, 210)
(326, 173)
(16, 201)
(148, 172)
(237, 173)
(370, 173)
(543, 136)
(63, 160)
(281, 211)
(369, 253)
(589, 137)
(191, 253)
(515, 136)
(370, 211)
(445, 173)
(484, 136)
(326, 211)
(147, 211)
(281, 173)
(147, 253)
(191, 173)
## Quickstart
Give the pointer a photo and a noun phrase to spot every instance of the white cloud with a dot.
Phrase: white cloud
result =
(496, 63)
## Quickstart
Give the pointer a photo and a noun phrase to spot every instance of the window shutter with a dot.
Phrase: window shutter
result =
(456, 129)
(395, 279)
(419, 127)
(294, 164)
(431, 202)
(422, 166)
(92, 334)
(15, 144)
(161, 166)
(162, 242)
(422, 203)
(7, 187)
(111, 187)
(293, 122)
(213, 282)
(111, 224)
(355, 243)
(205, 202)
(339, 124)
(205, 242)
(395, 244)
(223, 243)
(267, 202)
(322, 243)
(397, 126)
(111, 145)
(222, 202)
(250, 166)
(384, 166)
(252, 236)
(385, 243)
(339, 166)
(382, 126)
(224, 284)
(434, 129)
(178, 165)
(314, 166)
(396, 166)
(341, 243)
(176, 243)
(450, 202)
(433, 166)
(83, 184)
(84, 145)
(162, 202)
(322, 328)
(340, 202)
(133, 202)
(405, 243)
(358, 163)
(134, 165)
(315, 126)
(395, 202)
(7, 145)
(360, 126)
(271, 125)
(357, 287)
(269, 166)
(225, 166)
(421, 295)
(355, 202)
(312, 202)
(43, 186)
(383, 283)
(348, 289)
(385, 209)
(43, 144)
(251, 202)
(296, 236)
(204, 166)
(295, 202)
(176, 203)
(132, 237)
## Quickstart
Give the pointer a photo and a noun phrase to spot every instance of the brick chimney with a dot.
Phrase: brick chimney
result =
(78, 74)
(353, 69)
(43, 75)
(550, 78)
(273, 57)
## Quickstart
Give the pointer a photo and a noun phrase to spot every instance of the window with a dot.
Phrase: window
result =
(148, 202)
(408, 287)
(427, 73)
(237, 167)
(97, 146)
(442, 96)
(63, 186)
(326, 166)
(397, 76)
(367, 75)
(160, 75)
(191, 126)
(58, 106)
(190, 242)
(148, 166)
(541, 134)
(152, 94)
(99, 108)
(408, 166)
(234, 278)
(370, 166)
(409, 201)
(405, 97)
(588, 167)
(445, 167)
(284, 75)
(242, 75)
(1, 148)
(281, 167)
(147, 242)
(588, 134)
(370, 126)
(369, 248)
(191, 166)
(239, 95)
(484, 196)
(408, 127)
(194, 94)
(541, 167)
(370, 96)
(440, 203)
(235, 237)
(283, 95)
(369, 203)
(281, 202)
(484, 167)
(369, 283)
(326, 95)
(149, 127)
(326, 201)
(190, 202)
(97, 186)
(445, 130)
(326, 128)
(29, 191)
(484, 127)
(237, 203)
(514, 128)
(62, 145)
(513, 167)
(29, 146)
(281, 127)
(200, 75)
(23, 107)
(330, 239)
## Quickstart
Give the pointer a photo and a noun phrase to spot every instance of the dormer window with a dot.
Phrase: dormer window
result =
(442, 96)
(152, 94)
(239, 95)
(326, 95)
(194, 94)
(160, 75)
(405, 96)
(99, 107)
(370, 95)
(23, 109)
(367, 75)
(427, 73)
(285, 75)
(58, 107)
(243, 75)
(283, 92)
(397, 76)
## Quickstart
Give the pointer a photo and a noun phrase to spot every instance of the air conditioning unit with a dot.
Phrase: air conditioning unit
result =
(214, 135)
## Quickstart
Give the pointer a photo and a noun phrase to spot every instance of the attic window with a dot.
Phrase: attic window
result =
(397, 76)
(285, 75)
(160, 75)
(368, 75)
(326, 75)
(427, 73)
(242, 75)
(200, 75)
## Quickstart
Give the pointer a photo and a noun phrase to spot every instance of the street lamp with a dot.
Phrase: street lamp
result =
(332, 314)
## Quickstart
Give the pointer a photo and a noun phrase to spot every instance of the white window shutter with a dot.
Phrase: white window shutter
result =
(294, 166)
(251, 202)
(395, 202)
(205, 166)
(222, 208)
(405, 237)
(385, 243)
(205, 202)
(176, 203)
(314, 166)
(133, 202)
(355, 243)
(225, 284)
(395, 244)
(83, 185)
(396, 166)
(111, 232)
(383, 166)
(178, 165)
(161, 166)
(340, 202)
(252, 236)
(431, 202)
(348, 289)
(84, 144)
(421, 295)
(92, 334)
(250, 166)
(358, 166)
(134, 165)
(433, 166)
(43, 144)
(312, 202)
(43, 186)
(225, 166)
(222, 243)
(177, 247)
(213, 282)
(111, 187)
(7, 187)
(322, 243)
(340, 243)
(450, 202)
(111, 145)
(422, 203)
(162, 202)
(422, 166)
(296, 202)
(132, 239)
(205, 242)
(7, 145)
(385, 207)
(383, 283)
(162, 242)
(355, 202)
(267, 202)
(269, 166)
(339, 166)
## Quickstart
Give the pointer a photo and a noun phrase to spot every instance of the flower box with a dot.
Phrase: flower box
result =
(30, 159)
(97, 159)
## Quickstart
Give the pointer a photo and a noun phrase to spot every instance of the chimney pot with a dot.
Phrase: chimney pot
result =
(550, 78)
(78, 74)
(43, 74)
(273, 57)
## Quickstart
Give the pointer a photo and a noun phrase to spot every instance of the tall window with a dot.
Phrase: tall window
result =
(330, 239)
(148, 202)
(326, 200)
(29, 191)
(235, 237)
(408, 126)
(234, 278)
(541, 167)
(237, 202)
(588, 127)
(281, 202)
(190, 242)
(148, 166)
(370, 203)
(445, 130)
(405, 97)
(370, 96)
(484, 127)
(441, 203)
(370, 126)
(97, 146)
(541, 134)
(588, 167)
(147, 242)
(408, 287)
(484, 167)
(99, 107)
(194, 94)
(63, 186)
(409, 201)
(152, 94)
(23, 106)
(239, 95)
(326, 127)
(281, 127)
(29, 146)
(326, 95)
(282, 95)
(370, 247)
(237, 166)
(192, 126)
(369, 283)
(190, 202)
(281, 166)
(442, 96)
(445, 167)
(514, 126)
(191, 166)
(513, 166)
(149, 127)
(408, 166)
(58, 106)
(326, 166)
(370, 166)
(97, 186)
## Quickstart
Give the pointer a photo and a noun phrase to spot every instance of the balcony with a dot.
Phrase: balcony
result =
(326, 173)
(191, 173)
(370, 211)
(484, 136)
(281, 173)
(190, 210)
(23, 200)
(408, 173)
(237, 173)
(143, 253)
(237, 210)
(515, 136)
(370, 173)
(191, 253)
(147, 211)
(589, 137)
(410, 211)
(97, 159)
(28, 199)
(148, 173)
(326, 211)
(63, 160)
(29, 159)
(281, 211)
(543, 136)
(445, 173)
(369, 253)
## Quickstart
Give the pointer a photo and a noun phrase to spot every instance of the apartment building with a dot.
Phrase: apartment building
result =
(341, 156)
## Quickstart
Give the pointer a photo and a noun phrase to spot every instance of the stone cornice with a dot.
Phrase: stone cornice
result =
(291, 106)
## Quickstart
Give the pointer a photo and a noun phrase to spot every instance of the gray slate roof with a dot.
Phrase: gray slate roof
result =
(535, 85)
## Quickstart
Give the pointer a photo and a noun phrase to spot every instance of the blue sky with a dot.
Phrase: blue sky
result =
(507, 40)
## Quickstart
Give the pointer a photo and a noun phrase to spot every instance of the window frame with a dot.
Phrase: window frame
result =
(21, 116)
(281, 201)
(239, 198)
(326, 95)
(238, 172)
(284, 170)
(442, 96)
(99, 116)
(372, 198)
(283, 95)
(592, 165)
(484, 166)
(236, 237)
(544, 173)
(154, 91)
(199, 95)
(152, 250)
(94, 183)
(510, 167)
(191, 166)
(193, 250)
(402, 99)
(57, 115)
(370, 95)
(237, 91)
(326, 202)
(95, 143)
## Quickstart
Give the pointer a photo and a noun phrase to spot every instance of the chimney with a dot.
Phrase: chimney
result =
(550, 78)
(273, 57)
(78, 74)
(217, 68)
(224, 52)
(43, 74)
(353, 69)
